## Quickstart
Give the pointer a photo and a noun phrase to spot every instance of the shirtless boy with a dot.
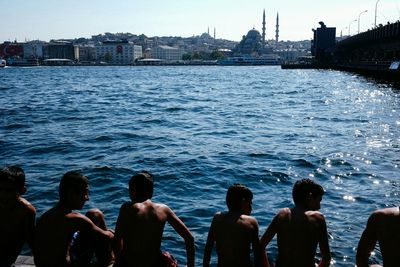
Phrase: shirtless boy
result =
(300, 229)
(140, 227)
(55, 229)
(17, 215)
(234, 232)
(384, 227)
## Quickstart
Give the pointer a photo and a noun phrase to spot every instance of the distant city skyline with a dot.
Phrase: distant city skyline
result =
(44, 19)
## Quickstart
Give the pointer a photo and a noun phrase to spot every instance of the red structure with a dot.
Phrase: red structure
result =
(11, 50)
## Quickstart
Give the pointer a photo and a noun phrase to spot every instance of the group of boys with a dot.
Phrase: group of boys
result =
(64, 238)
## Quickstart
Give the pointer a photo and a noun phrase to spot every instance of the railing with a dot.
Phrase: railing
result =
(382, 33)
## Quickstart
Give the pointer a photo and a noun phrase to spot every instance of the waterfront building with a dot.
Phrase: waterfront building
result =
(8, 50)
(87, 53)
(251, 43)
(118, 52)
(33, 49)
(255, 43)
(167, 53)
(323, 43)
(60, 50)
(292, 55)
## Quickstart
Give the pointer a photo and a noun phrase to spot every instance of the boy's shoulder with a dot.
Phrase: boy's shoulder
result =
(26, 206)
(394, 211)
(316, 215)
(221, 217)
(384, 216)
(160, 205)
(56, 214)
(293, 213)
(23, 210)
(283, 213)
(142, 206)
(249, 221)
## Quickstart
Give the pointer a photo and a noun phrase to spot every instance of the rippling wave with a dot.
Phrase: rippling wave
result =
(200, 129)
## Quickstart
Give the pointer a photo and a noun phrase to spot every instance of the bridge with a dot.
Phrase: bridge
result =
(373, 52)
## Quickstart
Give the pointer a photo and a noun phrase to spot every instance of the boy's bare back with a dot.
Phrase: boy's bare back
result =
(234, 235)
(53, 235)
(17, 225)
(55, 229)
(300, 229)
(298, 234)
(384, 227)
(17, 215)
(141, 225)
(235, 232)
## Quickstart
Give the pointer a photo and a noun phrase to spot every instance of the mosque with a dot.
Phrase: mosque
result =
(254, 43)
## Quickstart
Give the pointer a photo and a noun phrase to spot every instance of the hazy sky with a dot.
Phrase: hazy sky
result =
(56, 19)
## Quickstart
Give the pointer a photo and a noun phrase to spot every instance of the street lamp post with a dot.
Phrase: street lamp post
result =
(341, 32)
(350, 25)
(359, 19)
(376, 7)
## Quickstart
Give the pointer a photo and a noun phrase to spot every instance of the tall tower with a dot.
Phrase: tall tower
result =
(263, 30)
(214, 33)
(277, 30)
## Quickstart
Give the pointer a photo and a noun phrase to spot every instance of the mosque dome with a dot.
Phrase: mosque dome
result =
(253, 34)
(250, 43)
(205, 36)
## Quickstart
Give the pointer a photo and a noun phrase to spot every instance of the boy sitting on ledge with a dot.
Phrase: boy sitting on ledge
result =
(55, 230)
(140, 227)
(384, 227)
(234, 232)
(300, 229)
(18, 215)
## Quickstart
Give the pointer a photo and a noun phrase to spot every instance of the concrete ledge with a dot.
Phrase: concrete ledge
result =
(24, 261)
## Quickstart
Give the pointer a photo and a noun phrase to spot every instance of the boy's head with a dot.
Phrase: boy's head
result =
(141, 186)
(12, 185)
(239, 198)
(74, 189)
(307, 193)
(16, 176)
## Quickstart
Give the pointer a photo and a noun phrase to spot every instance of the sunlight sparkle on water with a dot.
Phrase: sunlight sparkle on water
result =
(349, 198)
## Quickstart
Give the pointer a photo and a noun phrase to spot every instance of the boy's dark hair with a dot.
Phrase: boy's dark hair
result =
(143, 185)
(303, 188)
(72, 181)
(235, 195)
(16, 175)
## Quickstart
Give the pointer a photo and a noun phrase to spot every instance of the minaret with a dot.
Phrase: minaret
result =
(263, 30)
(277, 30)
(214, 33)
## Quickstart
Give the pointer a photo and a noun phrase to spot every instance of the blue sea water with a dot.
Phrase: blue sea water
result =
(200, 129)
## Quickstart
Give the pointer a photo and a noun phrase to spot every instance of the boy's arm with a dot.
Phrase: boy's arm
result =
(30, 225)
(86, 225)
(324, 244)
(117, 244)
(184, 232)
(257, 251)
(266, 238)
(209, 245)
(367, 243)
